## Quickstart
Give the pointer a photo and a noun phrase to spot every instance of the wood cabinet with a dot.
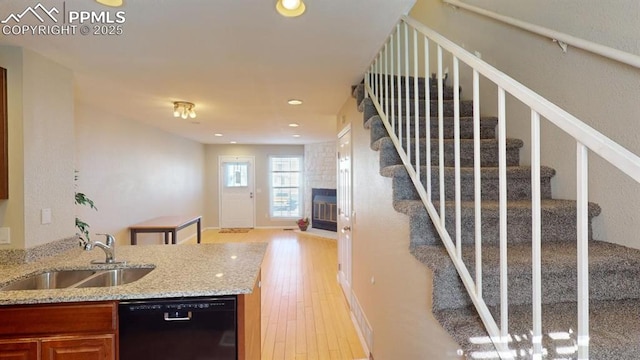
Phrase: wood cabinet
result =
(19, 350)
(59, 332)
(249, 326)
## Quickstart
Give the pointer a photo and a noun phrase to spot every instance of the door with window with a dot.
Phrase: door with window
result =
(344, 212)
(237, 183)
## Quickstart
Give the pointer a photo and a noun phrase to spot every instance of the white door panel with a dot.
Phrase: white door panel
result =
(237, 202)
(344, 213)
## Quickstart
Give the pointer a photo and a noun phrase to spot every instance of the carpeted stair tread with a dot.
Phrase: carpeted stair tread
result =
(487, 128)
(557, 257)
(613, 273)
(486, 172)
(614, 330)
(358, 91)
(488, 152)
(466, 109)
(464, 143)
(558, 221)
(410, 207)
(518, 182)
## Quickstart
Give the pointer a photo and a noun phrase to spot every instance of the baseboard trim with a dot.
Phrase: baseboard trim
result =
(365, 345)
(363, 342)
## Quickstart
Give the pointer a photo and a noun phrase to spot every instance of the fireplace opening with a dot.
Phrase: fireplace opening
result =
(324, 209)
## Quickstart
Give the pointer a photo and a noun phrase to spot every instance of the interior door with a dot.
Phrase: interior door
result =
(344, 212)
(237, 201)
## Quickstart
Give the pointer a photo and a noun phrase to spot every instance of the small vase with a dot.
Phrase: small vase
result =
(303, 227)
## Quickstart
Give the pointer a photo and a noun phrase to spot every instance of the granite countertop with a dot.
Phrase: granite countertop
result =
(180, 271)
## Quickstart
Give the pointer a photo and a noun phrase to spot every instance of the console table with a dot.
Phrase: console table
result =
(168, 225)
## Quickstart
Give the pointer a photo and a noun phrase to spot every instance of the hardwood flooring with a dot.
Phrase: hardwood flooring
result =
(304, 313)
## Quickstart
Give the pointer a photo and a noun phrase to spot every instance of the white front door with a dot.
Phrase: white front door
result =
(344, 212)
(237, 200)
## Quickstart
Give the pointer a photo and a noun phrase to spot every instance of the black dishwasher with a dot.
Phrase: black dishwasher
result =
(178, 329)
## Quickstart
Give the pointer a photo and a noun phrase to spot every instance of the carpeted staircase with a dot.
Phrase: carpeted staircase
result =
(614, 270)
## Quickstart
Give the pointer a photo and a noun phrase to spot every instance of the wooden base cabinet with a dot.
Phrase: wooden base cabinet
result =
(79, 331)
(74, 348)
(19, 350)
(249, 327)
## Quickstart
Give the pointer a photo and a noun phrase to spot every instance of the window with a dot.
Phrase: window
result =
(236, 174)
(286, 186)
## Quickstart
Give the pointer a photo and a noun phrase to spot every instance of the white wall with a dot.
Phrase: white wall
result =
(41, 151)
(135, 172)
(319, 170)
(48, 149)
(602, 93)
(12, 210)
(261, 154)
(398, 304)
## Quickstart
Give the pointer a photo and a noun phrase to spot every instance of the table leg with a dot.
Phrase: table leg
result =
(199, 231)
(134, 240)
(174, 234)
(166, 237)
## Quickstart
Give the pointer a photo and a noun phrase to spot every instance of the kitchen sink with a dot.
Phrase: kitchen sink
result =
(78, 279)
(115, 277)
(50, 280)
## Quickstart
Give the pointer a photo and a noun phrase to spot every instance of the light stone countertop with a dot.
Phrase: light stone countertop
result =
(180, 271)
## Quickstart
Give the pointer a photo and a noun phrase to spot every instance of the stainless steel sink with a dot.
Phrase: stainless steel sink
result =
(50, 280)
(115, 277)
(78, 279)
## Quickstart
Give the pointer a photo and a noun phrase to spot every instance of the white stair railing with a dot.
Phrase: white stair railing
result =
(387, 83)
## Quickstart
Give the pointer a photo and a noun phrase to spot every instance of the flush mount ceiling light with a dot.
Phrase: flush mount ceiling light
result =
(293, 125)
(294, 102)
(290, 8)
(113, 3)
(184, 109)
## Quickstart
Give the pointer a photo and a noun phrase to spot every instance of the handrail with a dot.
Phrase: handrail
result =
(599, 49)
(609, 150)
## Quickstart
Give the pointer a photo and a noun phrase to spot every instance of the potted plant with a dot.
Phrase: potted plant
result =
(82, 199)
(303, 223)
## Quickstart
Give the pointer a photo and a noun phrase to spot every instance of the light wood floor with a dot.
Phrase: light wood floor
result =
(304, 313)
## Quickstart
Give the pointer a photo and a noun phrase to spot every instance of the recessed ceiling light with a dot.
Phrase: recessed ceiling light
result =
(290, 8)
(217, 134)
(294, 125)
(114, 3)
(233, 142)
(296, 136)
(219, 275)
(294, 102)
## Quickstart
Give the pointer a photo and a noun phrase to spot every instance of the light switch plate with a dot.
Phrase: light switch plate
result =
(45, 216)
(5, 236)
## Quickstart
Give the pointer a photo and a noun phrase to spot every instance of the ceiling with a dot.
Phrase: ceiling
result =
(239, 61)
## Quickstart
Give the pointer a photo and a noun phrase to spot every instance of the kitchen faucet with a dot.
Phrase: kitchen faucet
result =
(109, 248)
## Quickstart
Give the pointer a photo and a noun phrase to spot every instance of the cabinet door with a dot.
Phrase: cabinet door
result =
(19, 350)
(99, 347)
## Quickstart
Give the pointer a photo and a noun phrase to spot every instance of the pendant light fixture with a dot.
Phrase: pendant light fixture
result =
(290, 8)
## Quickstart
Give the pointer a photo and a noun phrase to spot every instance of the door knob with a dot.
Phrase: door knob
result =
(346, 228)
(251, 195)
